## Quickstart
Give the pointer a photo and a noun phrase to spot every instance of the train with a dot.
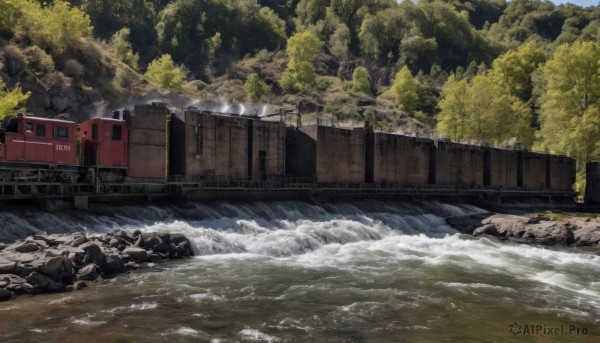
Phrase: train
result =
(152, 143)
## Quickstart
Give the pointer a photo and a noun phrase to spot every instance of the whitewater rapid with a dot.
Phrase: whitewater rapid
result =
(297, 272)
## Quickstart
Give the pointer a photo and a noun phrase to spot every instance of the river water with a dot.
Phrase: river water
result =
(296, 272)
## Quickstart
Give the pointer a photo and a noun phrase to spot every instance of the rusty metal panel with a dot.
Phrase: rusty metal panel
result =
(148, 142)
(216, 146)
(534, 171)
(502, 167)
(268, 149)
(340, 155)
(561, 171)
(459, 164)
(592, 185)
(300, 154)
(401, 159)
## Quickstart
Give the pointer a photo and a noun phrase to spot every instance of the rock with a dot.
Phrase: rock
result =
(79, 285)
(31, 289)
(8, 267)
(153, 241)
(132, 265)
(161, 248)
(136, 253)
(89, 272)
(139, 242)
(114, 242)
(53, 266)
(45, 282)
(77, 241)
(165, 237)
(5, 294)
(26, 247)
(155, 258)
(177, 238)
(489, 229)
(95, 254)
(114, 264)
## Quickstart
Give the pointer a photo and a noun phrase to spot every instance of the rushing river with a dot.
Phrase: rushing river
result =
(295, 272)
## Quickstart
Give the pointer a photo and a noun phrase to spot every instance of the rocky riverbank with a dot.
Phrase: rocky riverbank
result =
(61, 262)
(567, 231)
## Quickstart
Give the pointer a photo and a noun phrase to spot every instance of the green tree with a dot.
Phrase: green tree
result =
(55, 26)
(122, 48)
(513, 69)
(360, 80)
(405, 90)
(570, 103)
(255, 87)
(302, 49)
(164, 73)
(453, 117)
(11, 102)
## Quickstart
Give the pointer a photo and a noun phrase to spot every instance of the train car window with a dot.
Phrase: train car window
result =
(116, 132)
(40, 130)
(29, 127)
(61, 132)
(94, 132)
(12, 126)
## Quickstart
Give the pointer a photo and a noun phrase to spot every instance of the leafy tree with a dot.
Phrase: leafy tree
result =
(164, 73)
(453, 117)
(360, 80)
(570, 103)
(302, 49)
(57, 25)
(11, 102)
(122, 48)
(513, 69)
(255, 87)
(405, 90)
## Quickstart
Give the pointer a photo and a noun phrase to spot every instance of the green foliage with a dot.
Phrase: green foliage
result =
(360, 80)
(405, 90)
(164, 73)
(11, 102)
(302, 49)
(255, 87)
(570, 102)
(512, 70)
(38, 60)
(55, 26)
(74, 69)
(483, 111)
(122, 48)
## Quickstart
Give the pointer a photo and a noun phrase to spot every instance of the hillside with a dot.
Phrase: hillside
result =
(476, 70)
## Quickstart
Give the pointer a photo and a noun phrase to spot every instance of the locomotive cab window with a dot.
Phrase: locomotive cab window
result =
(40, 130)
(29, 127)
(61, 132)
(116, 132)
(94, 132)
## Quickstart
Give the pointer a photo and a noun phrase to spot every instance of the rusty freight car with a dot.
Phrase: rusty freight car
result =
(229, 147)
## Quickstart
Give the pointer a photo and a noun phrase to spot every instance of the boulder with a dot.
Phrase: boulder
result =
(80, 285)
(489, 229)
(114, 264)
(161, 248)
(136, 253)
(45, 282)
(5, 294)
(95, 254)
(53, 266)
(153, 241)
(25, 247)
(89, 272)
(78, 240)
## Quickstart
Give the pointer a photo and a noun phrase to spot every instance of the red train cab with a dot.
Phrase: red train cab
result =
(104, 142)
(35, 140)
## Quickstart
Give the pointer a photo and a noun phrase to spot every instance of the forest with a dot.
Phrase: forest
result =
(524, 73)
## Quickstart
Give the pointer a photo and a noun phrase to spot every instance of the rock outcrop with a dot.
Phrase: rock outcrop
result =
(572, 231)
(57, 262)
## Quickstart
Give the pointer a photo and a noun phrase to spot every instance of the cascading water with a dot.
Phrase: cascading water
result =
(297, 272)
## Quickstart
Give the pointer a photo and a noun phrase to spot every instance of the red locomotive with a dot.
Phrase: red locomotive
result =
(38, 149)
